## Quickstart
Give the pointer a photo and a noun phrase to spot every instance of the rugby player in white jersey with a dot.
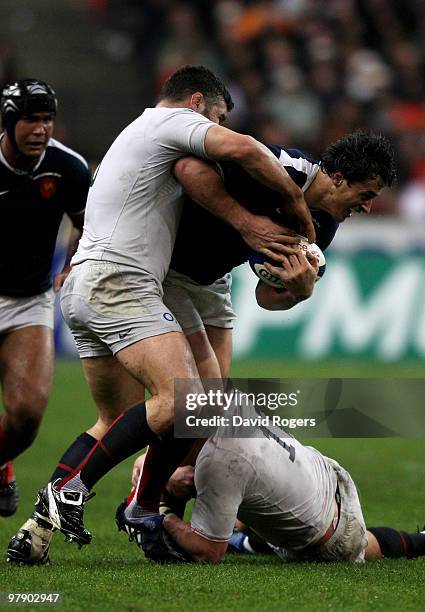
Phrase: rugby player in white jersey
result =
(112, 300)
(303, 504)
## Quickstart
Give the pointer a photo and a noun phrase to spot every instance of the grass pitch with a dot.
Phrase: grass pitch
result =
(111, 574)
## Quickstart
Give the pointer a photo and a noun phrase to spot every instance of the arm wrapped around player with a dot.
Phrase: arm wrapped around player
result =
(158, 545)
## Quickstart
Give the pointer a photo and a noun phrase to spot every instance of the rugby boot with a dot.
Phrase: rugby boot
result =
(122, 523)
(149, 534)
(30, 545)
(65, 510)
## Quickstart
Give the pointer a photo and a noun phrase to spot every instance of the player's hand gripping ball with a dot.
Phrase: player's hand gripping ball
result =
(257, 260)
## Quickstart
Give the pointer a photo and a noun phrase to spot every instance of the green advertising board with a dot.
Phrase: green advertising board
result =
(367, 305)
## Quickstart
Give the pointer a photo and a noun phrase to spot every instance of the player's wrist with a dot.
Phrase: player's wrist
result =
(302, 293)
(240, 218)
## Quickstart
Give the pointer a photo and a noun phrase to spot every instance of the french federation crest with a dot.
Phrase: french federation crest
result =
(48, 187)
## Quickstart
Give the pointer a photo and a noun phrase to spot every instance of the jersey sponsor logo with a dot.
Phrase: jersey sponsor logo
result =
(48, 187)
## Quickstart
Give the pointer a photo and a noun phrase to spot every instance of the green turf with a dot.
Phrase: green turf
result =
(112, 574)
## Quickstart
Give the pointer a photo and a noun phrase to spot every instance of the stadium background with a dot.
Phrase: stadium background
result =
(302, 73)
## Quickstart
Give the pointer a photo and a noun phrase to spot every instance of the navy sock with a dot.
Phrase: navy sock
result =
(128, 434)
(73, 456)
(161, 460)
(395, 544)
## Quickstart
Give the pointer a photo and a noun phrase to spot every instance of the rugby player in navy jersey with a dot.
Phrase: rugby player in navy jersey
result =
(352, 171)
(40, 181)
(345, 181)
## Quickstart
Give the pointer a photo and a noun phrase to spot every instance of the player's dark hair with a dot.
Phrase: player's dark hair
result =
(190, 79)
(360, 156)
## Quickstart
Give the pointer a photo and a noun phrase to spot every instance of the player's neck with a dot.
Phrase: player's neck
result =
(188, 102)
(172, 104)
(316, 194)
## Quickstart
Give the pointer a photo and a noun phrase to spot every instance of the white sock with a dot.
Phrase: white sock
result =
(134, 510)
(75, 484)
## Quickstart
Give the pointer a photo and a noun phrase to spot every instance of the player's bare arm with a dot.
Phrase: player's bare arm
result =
(76, 233)
(204, 185)
(257, 159)
(198, 547)
(298, 273)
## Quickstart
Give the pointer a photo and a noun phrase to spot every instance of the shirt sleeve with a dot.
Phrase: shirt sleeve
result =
(185, 131)
(220, 483)
(78, 176)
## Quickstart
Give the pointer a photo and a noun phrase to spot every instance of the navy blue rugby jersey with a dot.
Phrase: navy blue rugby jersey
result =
(32, 205)
(206, 248)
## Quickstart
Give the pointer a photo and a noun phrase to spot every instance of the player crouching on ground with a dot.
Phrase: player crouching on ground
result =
(307, 510)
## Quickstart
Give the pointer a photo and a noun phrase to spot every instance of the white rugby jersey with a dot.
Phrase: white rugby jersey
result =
(284, 495)
(134, 205)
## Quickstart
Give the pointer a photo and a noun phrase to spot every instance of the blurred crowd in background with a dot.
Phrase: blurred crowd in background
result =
(301, 72)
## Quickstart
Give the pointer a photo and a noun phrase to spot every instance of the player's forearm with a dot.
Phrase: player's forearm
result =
(263, 166)
(255, 158)
(204, 186)
(199, 548)
(72, 246)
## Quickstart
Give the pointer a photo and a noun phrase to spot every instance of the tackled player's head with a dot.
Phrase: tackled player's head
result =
(360, 156)
(190, 80)
(358, 165)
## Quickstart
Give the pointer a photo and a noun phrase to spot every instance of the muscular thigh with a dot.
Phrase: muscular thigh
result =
(205, 357)
(206, 317)
(26, 366)
(157, 362)
(221, 342)
(112, 387)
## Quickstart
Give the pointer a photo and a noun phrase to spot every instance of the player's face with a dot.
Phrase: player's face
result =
(32, 133)
(353, 197)
(216, 111)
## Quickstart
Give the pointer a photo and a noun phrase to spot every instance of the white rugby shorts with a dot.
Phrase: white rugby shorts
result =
(18, 312)
(349, 540)
(110, 306)
(196, 306)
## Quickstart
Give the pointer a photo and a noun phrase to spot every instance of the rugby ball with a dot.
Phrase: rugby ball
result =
(257, 261)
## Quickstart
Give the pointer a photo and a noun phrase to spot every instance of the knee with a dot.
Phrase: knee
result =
(163, 407)
(24, 411)
(160, 413)
(166, 413)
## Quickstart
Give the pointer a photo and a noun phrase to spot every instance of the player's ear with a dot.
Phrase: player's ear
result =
(197, 101)
(337, 179)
